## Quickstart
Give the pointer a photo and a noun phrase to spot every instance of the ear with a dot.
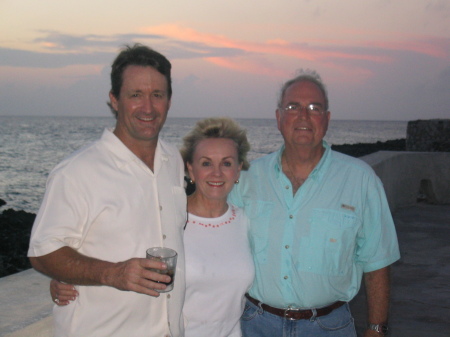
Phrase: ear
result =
(239, 171)
(114, 102)
(190, 171)
(278, 116)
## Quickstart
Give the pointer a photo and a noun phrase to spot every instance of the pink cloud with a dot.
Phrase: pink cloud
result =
(274, 47)
(325, 52)
(432, 47)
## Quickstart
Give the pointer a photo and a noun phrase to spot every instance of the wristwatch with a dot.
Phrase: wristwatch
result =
(380, 328)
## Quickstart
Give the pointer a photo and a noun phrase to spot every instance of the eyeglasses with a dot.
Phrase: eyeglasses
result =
(311, 109)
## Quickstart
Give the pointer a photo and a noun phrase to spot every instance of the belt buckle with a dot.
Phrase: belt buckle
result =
(291, 318)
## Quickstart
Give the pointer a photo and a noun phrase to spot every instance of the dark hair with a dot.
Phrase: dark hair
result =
(216, 128)
(305, 76)
(138, 55)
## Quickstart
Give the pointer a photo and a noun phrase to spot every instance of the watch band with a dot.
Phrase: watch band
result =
(380, 328)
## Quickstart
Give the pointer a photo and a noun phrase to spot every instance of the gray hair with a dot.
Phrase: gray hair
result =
(305, 76)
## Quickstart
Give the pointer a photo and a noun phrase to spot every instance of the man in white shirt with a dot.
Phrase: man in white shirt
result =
(107, 203)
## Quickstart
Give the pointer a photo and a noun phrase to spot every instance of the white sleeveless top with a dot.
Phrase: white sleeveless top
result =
(219, 271)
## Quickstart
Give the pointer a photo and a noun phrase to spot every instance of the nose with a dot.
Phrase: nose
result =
(217, 170)
(147, 105)
(303, 111)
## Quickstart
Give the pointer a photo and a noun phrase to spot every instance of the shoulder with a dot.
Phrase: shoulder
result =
(264, 160)
(80, 158)
(262, 165)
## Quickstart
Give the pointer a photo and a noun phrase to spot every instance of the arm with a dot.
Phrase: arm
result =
(377, 292)
(69, 266)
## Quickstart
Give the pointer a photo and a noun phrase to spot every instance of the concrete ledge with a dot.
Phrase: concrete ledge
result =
(26, 305)
(405, 175)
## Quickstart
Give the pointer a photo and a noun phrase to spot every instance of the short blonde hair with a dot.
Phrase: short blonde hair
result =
(219, 127)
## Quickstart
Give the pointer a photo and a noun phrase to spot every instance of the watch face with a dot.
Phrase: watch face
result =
(379, 328)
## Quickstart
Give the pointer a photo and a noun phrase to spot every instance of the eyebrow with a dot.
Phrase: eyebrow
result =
(228, 157)
(313, 103)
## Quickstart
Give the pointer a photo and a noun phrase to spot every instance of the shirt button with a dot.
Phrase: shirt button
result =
(287, 246)
(168, 296)
(164, 236)
(291, 216)
(286, 277)
(160, 207)
(287, 187)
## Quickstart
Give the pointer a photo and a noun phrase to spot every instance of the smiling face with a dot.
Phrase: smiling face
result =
(141, 106)
(214, 168)
(302, 129)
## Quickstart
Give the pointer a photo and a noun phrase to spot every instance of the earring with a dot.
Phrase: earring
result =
(237, 181)
(190, 180)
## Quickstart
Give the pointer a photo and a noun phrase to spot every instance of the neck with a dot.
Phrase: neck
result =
(204, 207)
(298, 164)
(144, 150)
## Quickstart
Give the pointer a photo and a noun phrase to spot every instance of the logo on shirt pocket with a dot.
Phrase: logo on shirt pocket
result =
(333, 239)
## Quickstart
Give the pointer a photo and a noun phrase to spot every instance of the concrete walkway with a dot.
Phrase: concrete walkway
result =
(420, 305)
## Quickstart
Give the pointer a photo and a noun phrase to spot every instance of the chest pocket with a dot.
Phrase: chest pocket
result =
(259, 214)
(333, 241)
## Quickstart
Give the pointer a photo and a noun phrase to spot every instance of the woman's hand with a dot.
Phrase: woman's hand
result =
(62, 293)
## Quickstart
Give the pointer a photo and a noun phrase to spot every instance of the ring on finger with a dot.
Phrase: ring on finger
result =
(56, 300)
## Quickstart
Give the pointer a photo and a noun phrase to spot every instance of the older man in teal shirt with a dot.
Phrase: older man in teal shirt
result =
(319, 223)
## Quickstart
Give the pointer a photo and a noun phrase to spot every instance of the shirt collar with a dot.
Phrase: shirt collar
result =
(123, 154)
(318, 171)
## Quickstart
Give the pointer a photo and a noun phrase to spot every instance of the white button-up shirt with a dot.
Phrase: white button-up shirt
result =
(104, 202)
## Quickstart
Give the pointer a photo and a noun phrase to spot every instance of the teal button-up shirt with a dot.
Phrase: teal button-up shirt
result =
(312, 248)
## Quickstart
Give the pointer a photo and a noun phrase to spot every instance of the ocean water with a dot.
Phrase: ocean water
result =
(31, 146)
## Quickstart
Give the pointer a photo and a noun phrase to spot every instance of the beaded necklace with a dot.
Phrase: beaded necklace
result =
(209, 225)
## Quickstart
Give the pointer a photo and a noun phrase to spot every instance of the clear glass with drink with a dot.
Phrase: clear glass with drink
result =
(167, 256)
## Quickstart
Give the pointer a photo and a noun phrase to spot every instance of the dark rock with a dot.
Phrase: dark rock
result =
(362, 149)
(431, 135)
(15, 230)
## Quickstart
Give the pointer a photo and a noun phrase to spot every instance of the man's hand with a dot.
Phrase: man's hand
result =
(135, 275)
(69, 266)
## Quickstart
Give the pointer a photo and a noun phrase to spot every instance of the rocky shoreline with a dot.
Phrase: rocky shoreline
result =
(15, 226)
(15, 229)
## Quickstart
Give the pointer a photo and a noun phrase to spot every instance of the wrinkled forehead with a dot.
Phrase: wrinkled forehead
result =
(304, 90)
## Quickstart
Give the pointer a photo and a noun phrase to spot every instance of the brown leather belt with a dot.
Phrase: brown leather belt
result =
(295, 314)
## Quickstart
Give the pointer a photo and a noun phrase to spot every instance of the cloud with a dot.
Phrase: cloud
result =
(179, 42)
(57, 41)
(335, 54)
(61, 50)
(30, 59)
(435, 47)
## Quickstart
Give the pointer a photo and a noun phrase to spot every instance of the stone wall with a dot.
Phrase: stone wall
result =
(431, 135)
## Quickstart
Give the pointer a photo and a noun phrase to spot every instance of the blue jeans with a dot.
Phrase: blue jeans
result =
(255, 322)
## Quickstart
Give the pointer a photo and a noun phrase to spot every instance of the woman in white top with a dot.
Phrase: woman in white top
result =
(219, 265)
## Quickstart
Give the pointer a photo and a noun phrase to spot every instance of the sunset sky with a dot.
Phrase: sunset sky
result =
(380, 59)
